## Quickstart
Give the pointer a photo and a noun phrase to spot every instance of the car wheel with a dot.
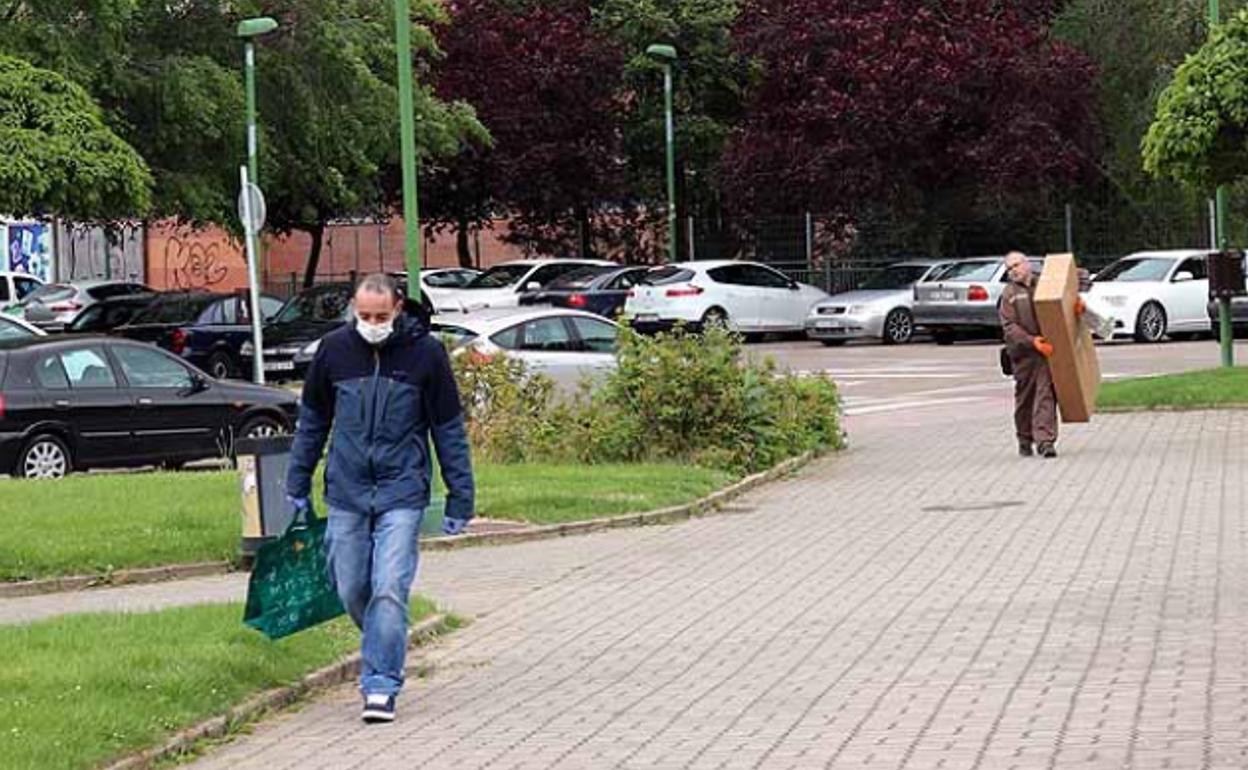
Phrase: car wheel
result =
(1150, 325)
(221, 365)
(715, 317)
(44, 457)
(898, 327)
(834, 343)
(262, 427)
(944, 337)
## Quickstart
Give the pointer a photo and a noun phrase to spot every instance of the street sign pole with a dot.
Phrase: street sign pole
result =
(251, 211)
(1225, 330)
(407, 146)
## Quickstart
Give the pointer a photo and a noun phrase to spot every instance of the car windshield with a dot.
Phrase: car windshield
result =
(969, 271)
(579, 278)
(321, 305)
(13, 331)
(50, 292)
(499, 277)
(1148, 269)
(895, 277)
(175, 310)
(662, 276)
(452, 336)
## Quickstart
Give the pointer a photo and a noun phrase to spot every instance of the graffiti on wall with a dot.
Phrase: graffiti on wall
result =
(194, 264)
(30, 249)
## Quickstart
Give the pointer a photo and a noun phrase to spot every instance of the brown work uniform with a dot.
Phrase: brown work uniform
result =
(1035, 401)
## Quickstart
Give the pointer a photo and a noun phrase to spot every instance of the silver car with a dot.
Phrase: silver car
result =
(961, 300)
(880, 309)
(54, 305)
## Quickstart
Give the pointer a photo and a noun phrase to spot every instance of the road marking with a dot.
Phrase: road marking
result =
(898, 406)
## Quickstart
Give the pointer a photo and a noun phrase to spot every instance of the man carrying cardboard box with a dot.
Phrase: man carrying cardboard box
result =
(1035, 400)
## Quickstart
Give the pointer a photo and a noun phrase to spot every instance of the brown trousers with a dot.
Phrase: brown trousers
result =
(1035, 401)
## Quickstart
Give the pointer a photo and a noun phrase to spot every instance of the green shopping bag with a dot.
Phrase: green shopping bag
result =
(290, 589)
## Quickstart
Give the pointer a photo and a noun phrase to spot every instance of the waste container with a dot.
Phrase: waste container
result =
(266, 513)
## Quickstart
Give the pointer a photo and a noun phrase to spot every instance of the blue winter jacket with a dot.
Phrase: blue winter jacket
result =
(382, 405)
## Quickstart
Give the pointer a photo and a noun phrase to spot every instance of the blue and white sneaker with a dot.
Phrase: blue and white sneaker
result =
(378, 708)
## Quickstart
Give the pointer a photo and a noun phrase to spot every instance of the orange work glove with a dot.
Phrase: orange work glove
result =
(1081, 307)
(1043, 346)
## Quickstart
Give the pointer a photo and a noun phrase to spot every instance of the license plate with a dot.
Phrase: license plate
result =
(646, 318)
(279, 366)
(943, 296)
(828, 324)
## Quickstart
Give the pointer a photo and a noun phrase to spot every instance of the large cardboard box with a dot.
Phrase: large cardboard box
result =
(1076, 370)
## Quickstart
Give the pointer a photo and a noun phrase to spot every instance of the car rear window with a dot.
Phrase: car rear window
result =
(662, 276)
(580, 278)
(175, 310)
(970, 271)
(51, 292)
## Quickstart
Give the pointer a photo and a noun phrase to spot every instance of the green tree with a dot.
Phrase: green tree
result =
(57, 157)
(1200, 135)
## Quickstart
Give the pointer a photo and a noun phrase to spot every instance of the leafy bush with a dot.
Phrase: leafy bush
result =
(676, 397)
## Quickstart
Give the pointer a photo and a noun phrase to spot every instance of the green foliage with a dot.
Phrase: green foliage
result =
(57, 157)
(1200, 134)
(684, 398)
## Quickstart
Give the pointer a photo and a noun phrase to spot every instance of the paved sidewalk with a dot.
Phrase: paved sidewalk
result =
(926, 601)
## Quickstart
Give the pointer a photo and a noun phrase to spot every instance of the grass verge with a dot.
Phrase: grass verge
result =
(96, 524)
(1190, 390)
(78, 691)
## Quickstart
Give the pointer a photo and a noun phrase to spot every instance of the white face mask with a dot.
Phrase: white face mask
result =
(374, 334)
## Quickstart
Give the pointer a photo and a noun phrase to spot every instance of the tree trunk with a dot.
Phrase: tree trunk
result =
(317, 232)
(585, 231)
(461, 242)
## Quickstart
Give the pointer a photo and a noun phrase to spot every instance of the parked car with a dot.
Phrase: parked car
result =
(205, 329)
(15, 287)
(54, 305)
(565, 345)
(744, 296)
(597, 289)
(1151, 294)
(108, 315)
(881, 309)
(16, 329)
(503, 284)
(74, 403)
(291, 337)
(962, 299)
(439, 284)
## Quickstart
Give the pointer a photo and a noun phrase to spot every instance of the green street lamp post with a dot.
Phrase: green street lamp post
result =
(1225, 331)
(407, 142)
(248, 30)
(666, 54)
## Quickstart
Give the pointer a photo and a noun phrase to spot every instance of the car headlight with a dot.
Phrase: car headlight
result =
(858, 309)
(308, 351)
(246, 350)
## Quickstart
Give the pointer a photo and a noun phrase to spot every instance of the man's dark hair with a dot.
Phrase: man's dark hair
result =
(380, 283)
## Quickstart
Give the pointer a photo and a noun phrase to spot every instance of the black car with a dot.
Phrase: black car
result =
(207, 330)
(595, 289)
(107, 315)
(73, 403)
(291, 337)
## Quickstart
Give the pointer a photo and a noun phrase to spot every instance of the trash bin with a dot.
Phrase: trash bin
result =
(262, 464)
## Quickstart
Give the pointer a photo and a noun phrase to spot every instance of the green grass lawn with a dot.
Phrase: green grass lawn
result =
(93, 524)
(1190, 390)
(83, 689)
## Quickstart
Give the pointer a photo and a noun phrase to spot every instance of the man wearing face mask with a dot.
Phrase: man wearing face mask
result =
(1035, 401)
(378, 390)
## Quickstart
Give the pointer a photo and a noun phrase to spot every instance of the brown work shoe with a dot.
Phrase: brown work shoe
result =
(1048, 451)
(1024, 449)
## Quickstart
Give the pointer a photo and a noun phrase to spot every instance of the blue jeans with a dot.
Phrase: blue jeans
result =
(372, 562)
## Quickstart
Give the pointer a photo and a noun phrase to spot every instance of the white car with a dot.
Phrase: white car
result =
(439, 284)
(564, 345)
(1150, 294)
(15, 287)
(747, 297)
(502, 285)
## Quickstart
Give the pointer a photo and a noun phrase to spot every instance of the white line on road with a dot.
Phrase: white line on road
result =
(897, 406)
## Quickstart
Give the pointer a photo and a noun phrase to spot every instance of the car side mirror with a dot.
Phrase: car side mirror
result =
(1183, 277)
(532, 286)
(200, 383)
(794, 286)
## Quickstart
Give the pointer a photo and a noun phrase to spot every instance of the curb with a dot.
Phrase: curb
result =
(184, 741)
(671, 515)
(1170, 409)
(143, 576)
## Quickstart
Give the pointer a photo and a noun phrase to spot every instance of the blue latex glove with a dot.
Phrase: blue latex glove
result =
(301, 504)
(453, 526)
